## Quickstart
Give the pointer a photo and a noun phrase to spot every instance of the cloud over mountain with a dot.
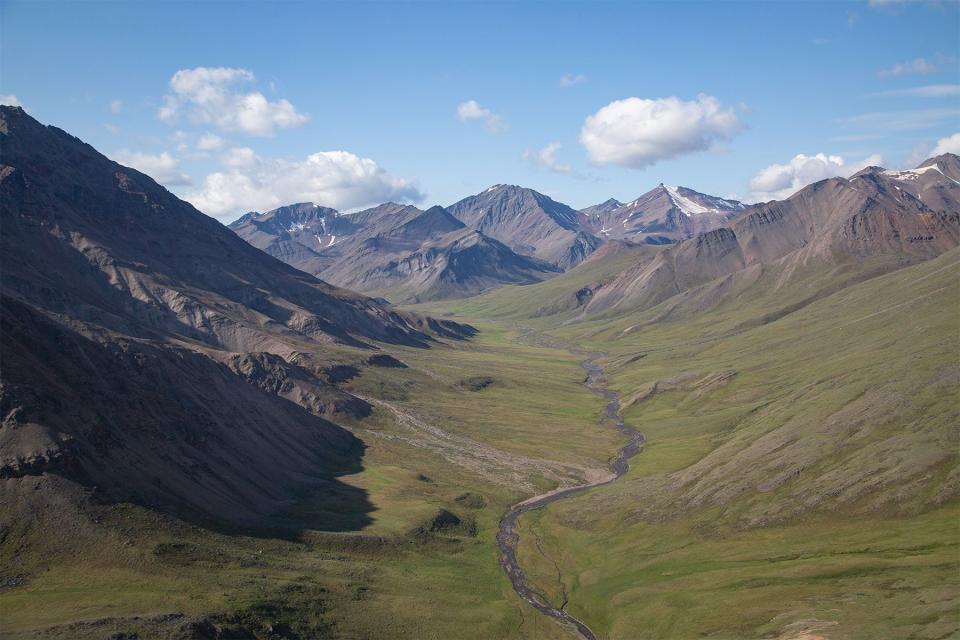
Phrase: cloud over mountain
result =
(214, 95)
(547, 159)
(162, 167)
(337, 179)
(779, 181)
(471, 110)
(950, 144)
(638, 132)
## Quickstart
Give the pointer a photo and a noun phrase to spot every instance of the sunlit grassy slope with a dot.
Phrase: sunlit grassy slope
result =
(800, 475)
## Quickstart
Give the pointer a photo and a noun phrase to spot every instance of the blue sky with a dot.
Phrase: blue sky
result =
(721, 96)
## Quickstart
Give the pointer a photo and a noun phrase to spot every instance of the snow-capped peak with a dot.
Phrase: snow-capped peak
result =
(688, 206)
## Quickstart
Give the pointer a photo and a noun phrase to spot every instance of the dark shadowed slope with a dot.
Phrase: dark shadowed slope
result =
(149, 352)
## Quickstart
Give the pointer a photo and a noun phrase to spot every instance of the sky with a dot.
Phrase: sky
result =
(248, 106)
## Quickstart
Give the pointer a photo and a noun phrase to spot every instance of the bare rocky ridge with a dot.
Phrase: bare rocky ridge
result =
(528, 222)
(150, 352)
(416, 255)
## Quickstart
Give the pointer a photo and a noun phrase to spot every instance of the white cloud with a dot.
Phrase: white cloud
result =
(570, 79)
(950, 144)
(928, 91)
(330, 178)
(211, 142)
(546, 158)
(471, 110)
(919, 66)
(211, 96)
(10, 100)
(779, 181)
(116, 106)
(162, 167)
(637, 132)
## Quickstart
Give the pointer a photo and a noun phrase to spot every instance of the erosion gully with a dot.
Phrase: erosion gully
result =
(508, 537)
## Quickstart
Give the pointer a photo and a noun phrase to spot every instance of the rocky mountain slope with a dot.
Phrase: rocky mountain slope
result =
(394, 250)
(877, 220)
(528, 222)
(663, 215)
(150, 352)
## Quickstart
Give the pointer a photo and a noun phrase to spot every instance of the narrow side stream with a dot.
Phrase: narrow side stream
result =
(508, 537)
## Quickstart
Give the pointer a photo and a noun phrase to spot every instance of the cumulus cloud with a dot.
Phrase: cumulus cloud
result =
(116, 106)
(950, 144)
(331, 178)
(637, 132)
(208, 95)
(162, 167)
(471, 110)
(919, 66)
(211, 142)
(779, 181)
(570, 79)
(546, 158)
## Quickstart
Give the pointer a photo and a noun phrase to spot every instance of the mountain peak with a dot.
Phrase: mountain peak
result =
(436, 219)
(947, 158)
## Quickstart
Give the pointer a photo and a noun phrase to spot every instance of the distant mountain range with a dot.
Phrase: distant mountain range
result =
(514, 235)
(412, 254)
(504, 235)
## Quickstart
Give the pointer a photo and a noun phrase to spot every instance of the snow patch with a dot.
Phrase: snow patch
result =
(691, 207)
(911, 174)
(914, 174)
(686, 205)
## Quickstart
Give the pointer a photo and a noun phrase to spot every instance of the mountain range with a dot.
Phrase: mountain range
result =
(504, 235)
(514, 235)
(412, 254)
